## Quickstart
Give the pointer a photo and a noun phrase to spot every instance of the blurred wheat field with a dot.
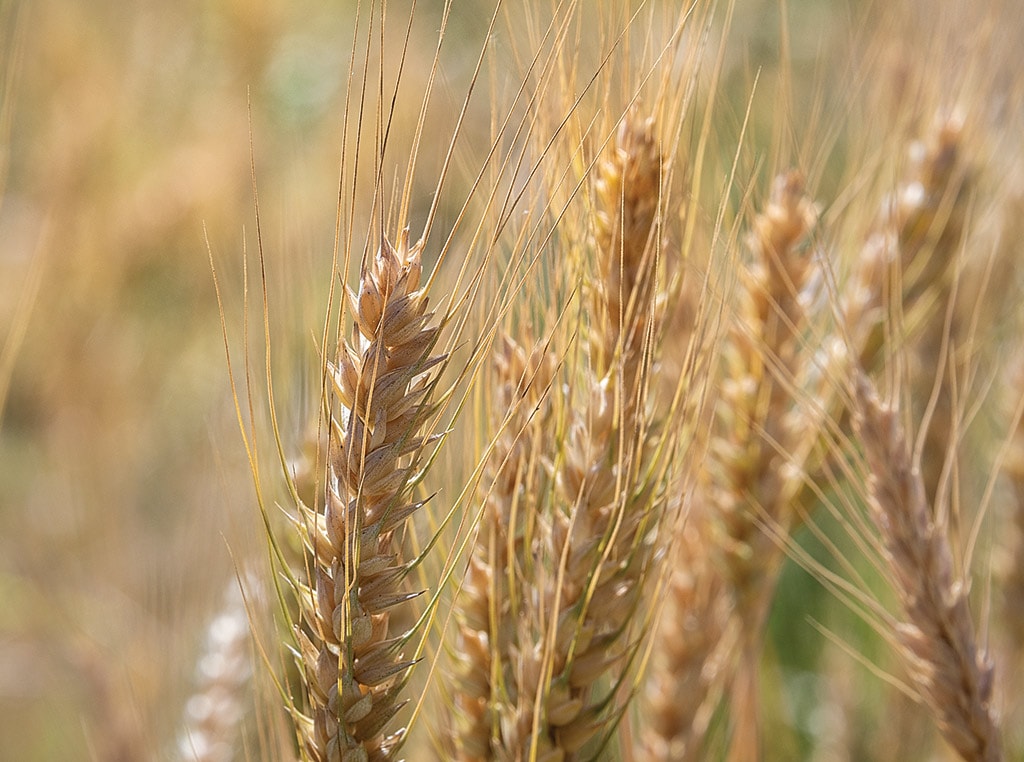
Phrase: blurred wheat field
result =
(684, 421)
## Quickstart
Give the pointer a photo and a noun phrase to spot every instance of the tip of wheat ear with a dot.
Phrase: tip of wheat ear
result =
(353, 664)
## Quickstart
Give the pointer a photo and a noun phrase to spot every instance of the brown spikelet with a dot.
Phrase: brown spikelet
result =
(354, 664)
(953, 675)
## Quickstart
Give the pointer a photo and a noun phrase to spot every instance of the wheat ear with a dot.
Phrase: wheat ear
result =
(487, 606)
(751, 484)
(915, 233)
(937, 641)
(908, 263)
(354, 667)
(213, 713)
(753, 467)
(594, 537)
(693, 637)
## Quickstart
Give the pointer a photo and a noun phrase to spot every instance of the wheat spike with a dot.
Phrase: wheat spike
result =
(937, 641)
(913, 252)
(916, 233)
(595, 538)
(354, 664)
(494, 584)
(756, 429)
(752, 475)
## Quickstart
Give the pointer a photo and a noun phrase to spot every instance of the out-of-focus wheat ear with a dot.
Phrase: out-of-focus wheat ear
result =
(606, 474)
(213, 713)
(912, 244)
(908, 267)
(1012, 572)
(751, 481)
(952, 673)
(693, 636)
(836, 732)
(354, 665)
(487, 605)
(941, 222)
(754, 469)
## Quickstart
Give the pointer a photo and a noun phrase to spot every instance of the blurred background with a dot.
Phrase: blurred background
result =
(126, 501)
